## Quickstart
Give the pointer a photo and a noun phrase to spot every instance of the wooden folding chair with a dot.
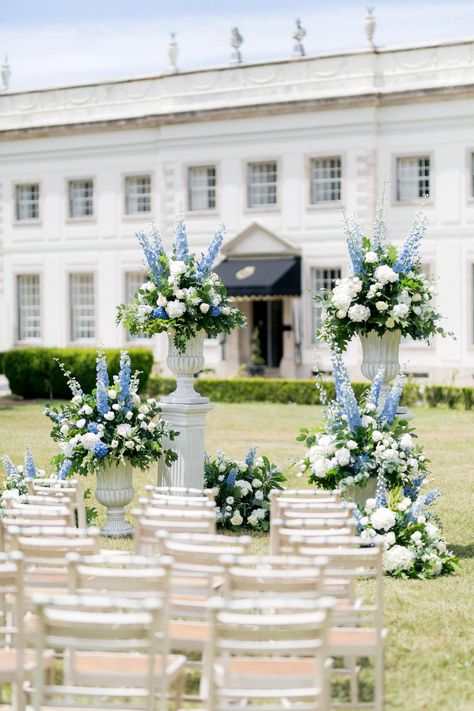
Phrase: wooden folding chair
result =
(281, 531)
(113, 648)
(176, 503)
(146, 526)
(35, 514)
(273, 660)
(279, 496)
(13, 661)
(179, 491)
(67, 487)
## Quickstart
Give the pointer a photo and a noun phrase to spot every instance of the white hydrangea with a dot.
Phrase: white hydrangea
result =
(398, 558)
(371, 257)
(175, 309)
(177, 267)
(256, 483)
(383, 519)
(385, 274)
(406, 442)
(89, 439)
(124, 430)
(358, 313)
(244, 486)
(381, 306)
(343, 456)
(400, 310)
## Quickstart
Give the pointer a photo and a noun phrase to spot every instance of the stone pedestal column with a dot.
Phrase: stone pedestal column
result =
(190, 421)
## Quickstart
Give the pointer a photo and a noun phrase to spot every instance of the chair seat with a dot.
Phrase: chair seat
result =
(182, 631)
(273, 667)
(126, 664)
(9, 663)
(352, 640)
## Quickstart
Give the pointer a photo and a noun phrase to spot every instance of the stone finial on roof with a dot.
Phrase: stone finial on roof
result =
(6, 74)
(236, 40)
(173, 54)
(298, 35)
(370, 25)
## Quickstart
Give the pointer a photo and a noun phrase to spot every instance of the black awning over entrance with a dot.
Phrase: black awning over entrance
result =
(261, 277)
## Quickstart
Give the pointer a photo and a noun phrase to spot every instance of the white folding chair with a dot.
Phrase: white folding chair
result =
(67, 487)
(281, 531)
(147, 525)
(179, 491)
(273, 660)
(13, 661)
(279, 496)
(114, 648)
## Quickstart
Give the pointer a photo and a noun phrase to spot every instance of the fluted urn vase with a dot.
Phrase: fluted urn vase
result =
(185, 366)
(115, 491)
(381, 352)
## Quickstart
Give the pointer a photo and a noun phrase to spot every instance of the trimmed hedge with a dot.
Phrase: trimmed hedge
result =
(2, 356)
(301, 392)
(33, 372)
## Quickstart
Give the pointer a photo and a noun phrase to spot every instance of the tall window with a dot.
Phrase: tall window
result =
(413, 178)
(202, 187)
(29, 307)
(137, 194)
(133, 281)
(326, 179)
(27, 201)
(262, 184)
(81, 198)
(82, 306)
(322, 279)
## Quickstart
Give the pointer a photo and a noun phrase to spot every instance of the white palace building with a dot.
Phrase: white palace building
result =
(274, 150)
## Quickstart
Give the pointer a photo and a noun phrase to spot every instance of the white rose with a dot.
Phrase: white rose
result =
(230, 500)
(385, 274)
(341, 298)
(358, 313)
(343, 456)
(225, 310)
(406, 442)
(397, 558)
(252, 520)
(179, 294)
(390, 323)
(441, 546)
(109, 415)
(416, 298)
(80, 423)
(351, 444)
(390, 538)
(129, 415)
(116, 407)
(244, 486)
(404, 504)
(64, 429)
(400, 310)
(341, 313)
(114, 444)
(256, 483)
(377, 436)
(370, 505)
(259, 495)
(148, 286)
(371, 257)
(415, 537)
(177, 267)
(124, 430)
(381, 306)
(161, 301)
(175, 309)
(112, 394)
(77, 399)
(86, 410)
(204, 308)
(383, 519)
(130, 444)
(236, 519)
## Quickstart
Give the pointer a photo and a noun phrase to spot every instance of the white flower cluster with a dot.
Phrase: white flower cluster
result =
(328, 454)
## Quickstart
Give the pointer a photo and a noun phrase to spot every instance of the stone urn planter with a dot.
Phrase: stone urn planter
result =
(185, 366)
(359, 494)
(115, 491)
(381, 352)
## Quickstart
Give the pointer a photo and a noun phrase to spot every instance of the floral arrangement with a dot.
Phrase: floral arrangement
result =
(414, 545)
(357, 441)
(242, 489)
(386, 289)
(109, 426)
(15, 482)
(182, 294)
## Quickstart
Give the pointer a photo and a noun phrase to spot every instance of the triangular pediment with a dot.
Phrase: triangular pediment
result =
(255, 241)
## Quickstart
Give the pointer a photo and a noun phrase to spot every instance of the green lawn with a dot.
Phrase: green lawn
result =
(430, 647)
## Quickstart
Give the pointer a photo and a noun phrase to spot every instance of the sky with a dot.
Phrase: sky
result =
(61, 42)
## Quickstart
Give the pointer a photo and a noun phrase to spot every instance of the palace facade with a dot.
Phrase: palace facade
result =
(274, 150)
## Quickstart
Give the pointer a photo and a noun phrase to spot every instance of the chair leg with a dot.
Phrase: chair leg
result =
(353, 680)
(178, 697)
(379, 682)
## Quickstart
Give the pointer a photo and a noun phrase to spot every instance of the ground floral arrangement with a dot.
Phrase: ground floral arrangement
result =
(109, 426)
(358, 443)
(15, 482)
(242, 489)
(182, 294)
(385, 290)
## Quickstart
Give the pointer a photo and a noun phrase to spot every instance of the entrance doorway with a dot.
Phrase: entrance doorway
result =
(268, 319)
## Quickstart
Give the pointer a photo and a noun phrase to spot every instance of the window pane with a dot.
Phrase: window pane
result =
(82, 304)
(322, 279)
(81, 198)
(133, 281)
(413, 178)
(202, 187)
(29, 307)
(262, 184)
(325, 180)
(27, 201)
(137, 194)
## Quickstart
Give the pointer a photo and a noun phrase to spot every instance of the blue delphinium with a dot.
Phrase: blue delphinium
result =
(100, 449)
(102, 398)
(381, 492)
(410, 251)
(231, 477)
(101, 369)
(160, 312)
(390, 407)
(411, 490)
(380, 228)
(124, 381)
(208, 259)
(354, 238)
(344, 392)
(93, 427)
(30, 467)
(153, 249)
(73, 385)
(64, 469)
(9, 467)
(250, 458)
(181, 247)
(376, 387)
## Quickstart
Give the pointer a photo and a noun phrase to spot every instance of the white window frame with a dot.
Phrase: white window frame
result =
(262, 207)
(315, 308)
(128, 296)
(73, 338)
(331, 202)
(79, 218)
(422, 155)
(126, 196)
(36, 308)
(208, 190)
(26, 220)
